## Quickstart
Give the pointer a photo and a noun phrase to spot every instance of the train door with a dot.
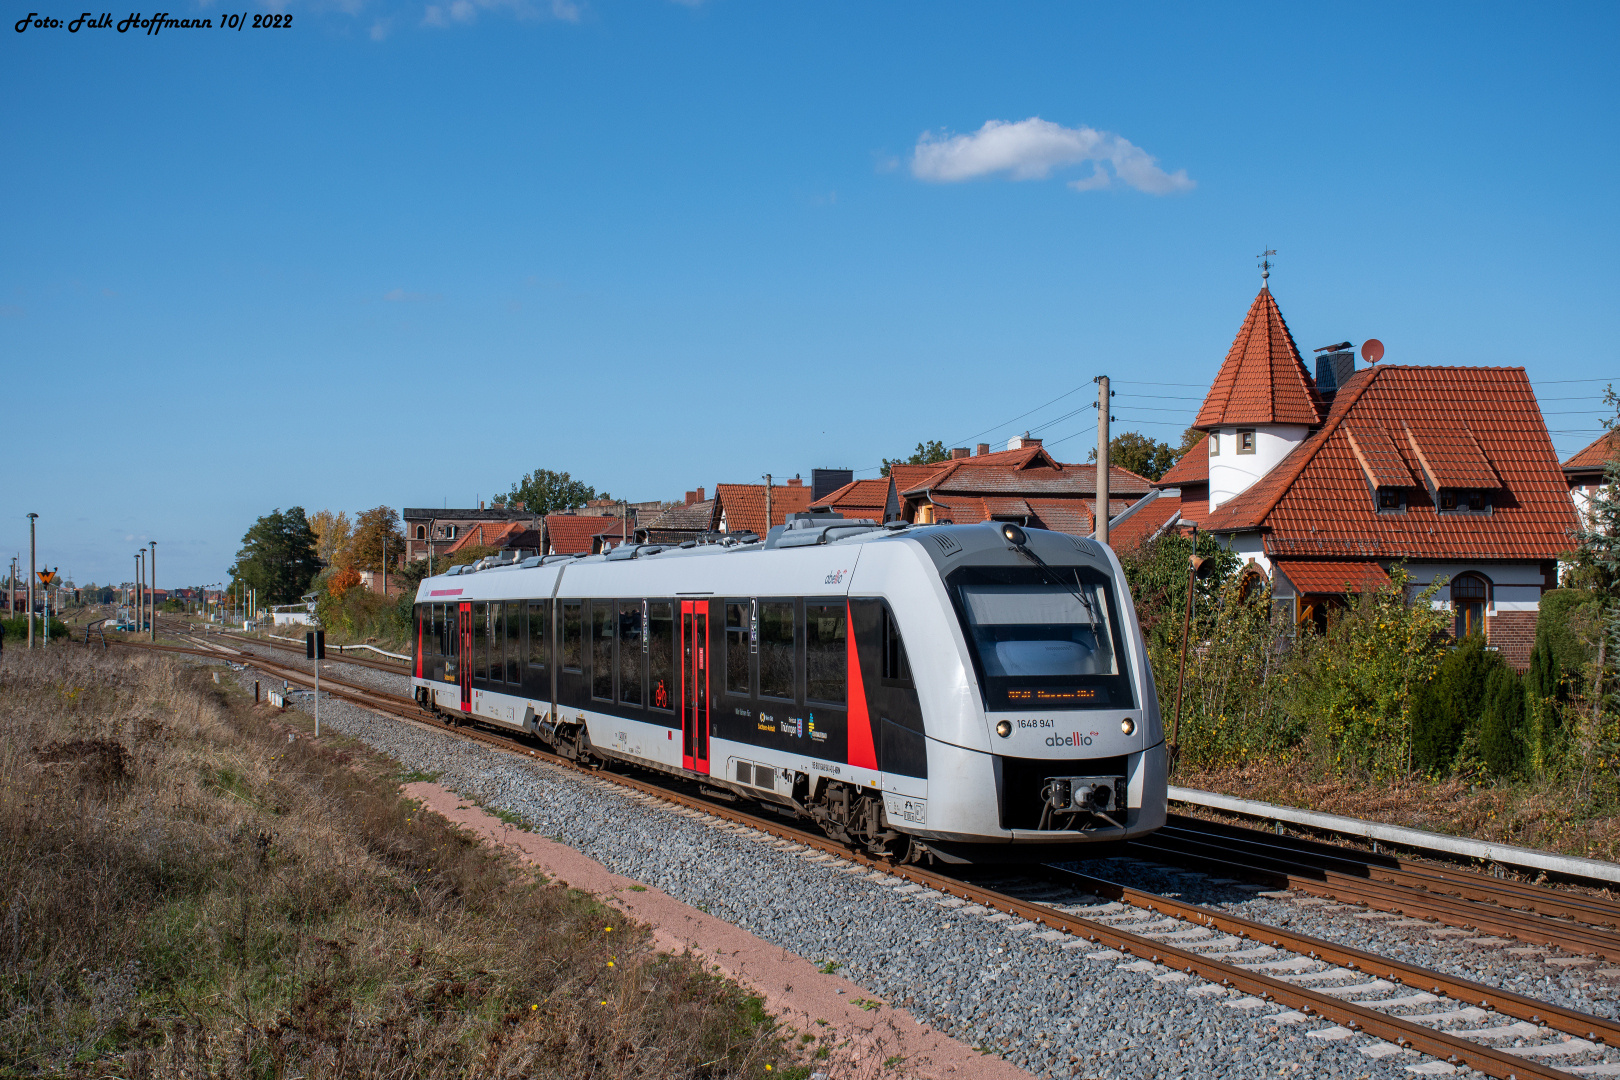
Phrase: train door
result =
(464, 668)
(695, 685)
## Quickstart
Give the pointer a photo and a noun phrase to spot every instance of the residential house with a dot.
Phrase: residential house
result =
(1446, 470)
(740, 508)
(588, 534)
(680, 522)
(438, 530)
(1584, 473)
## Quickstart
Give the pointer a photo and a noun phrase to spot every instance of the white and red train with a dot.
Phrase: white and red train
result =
(972, 693)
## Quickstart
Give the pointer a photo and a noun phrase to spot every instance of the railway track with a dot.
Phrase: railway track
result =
(1531, 915)
(1311, 978)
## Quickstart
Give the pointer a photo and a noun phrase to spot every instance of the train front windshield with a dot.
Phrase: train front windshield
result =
(1044, 639)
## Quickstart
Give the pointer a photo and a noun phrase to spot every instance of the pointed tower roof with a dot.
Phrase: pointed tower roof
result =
(1262, 380)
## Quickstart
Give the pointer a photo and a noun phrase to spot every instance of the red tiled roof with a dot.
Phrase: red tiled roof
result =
(860, 499)
(1071, 516)
(1595, 455)
(1003, 507)
(1377, 456)
(1450, 456)
(743, 505)
(1145, 523)
(1315, 502)
(1191, 468)
(570, 534)
(1336, 578)
(1053, 479)
(488, 534)
(1262, 380)
(906, 477)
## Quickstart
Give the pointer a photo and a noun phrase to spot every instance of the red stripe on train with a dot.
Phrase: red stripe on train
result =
(861, 751)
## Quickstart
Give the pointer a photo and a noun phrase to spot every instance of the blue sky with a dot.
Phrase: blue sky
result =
(403, 253)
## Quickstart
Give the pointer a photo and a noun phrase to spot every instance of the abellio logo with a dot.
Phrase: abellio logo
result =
(1072, 739)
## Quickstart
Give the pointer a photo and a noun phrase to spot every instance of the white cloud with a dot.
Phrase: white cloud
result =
(466, 11)
(1031, 149)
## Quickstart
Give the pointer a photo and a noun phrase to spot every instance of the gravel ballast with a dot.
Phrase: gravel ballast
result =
(1053, 1004)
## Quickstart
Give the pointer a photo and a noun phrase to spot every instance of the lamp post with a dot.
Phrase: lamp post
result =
(152, 636)
(31, 520)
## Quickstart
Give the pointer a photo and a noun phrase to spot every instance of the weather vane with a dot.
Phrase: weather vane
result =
(1265, 264)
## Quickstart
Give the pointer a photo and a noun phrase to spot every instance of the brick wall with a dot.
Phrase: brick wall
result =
(1514, 634)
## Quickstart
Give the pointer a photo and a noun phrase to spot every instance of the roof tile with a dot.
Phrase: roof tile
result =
(1262, 380)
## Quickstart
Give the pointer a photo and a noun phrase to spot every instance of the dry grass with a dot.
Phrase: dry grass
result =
(184, 892)
(1530, 815)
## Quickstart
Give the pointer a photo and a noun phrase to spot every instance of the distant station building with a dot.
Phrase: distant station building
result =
(1323, 483)
(437, 531)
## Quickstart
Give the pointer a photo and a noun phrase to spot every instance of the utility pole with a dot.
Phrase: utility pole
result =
(31, 519)
(153, 635)
(385, 562)
(767, 505)
(1103, 394)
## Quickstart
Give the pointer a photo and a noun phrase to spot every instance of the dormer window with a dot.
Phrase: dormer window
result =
(1245, 440)
(1392, 500)
(1464, 501)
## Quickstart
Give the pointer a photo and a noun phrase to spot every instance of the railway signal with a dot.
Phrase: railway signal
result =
(315, 649)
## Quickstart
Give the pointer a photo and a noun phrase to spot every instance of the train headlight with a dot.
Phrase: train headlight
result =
(1004, 728)
(1127, 725)
(1015, 536)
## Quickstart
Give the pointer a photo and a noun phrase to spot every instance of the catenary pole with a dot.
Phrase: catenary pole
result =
(152, 636)
(1103, 394)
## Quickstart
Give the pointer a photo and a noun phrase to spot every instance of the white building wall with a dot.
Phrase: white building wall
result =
(1232, 473)
(1514, 586)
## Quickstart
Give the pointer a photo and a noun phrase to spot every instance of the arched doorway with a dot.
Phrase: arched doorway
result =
(1469, 594)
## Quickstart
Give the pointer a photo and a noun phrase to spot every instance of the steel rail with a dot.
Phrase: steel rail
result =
(394, 668)
(1356, 1017)
(1595, 910)
(1404, 900)
(1569, 1021)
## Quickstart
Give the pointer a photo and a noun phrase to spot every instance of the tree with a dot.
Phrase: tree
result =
(1140, 454)
(928, 453)
(333, 535)
(1502, 729)
(278, 557)
(546, 492)
(370, 530)
(1451, 705)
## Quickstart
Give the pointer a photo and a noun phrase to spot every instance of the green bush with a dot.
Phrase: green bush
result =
(1355, 684)
(1452, 705)
(1503, 730)
(1568, 624)
(17, 629)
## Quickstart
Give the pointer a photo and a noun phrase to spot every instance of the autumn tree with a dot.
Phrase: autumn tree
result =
(546, 492)
(333, 535)
(277, 557)
(371, 529)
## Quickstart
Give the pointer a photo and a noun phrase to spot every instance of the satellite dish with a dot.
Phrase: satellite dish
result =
(1372, 350)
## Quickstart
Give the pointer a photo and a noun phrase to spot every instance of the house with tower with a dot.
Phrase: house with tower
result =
(1323, 482)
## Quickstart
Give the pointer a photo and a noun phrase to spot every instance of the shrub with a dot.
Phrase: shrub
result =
(1355, 684)
(1454, 704)
(1503, 733)
(17, 629)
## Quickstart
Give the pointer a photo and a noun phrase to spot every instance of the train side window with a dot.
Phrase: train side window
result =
(573, 636)
(826, 652)
(602, 649)
(538, 610)
(661, 654)
(480, 640)
(896, 667)
(514, 641)
(630, 654)
(776, 649)
(739, 676)
(497, 643)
